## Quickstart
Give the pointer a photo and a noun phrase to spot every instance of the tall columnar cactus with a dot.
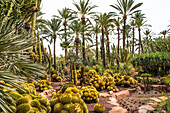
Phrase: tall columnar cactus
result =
(39, 44)
(75, 74)
(71, 69)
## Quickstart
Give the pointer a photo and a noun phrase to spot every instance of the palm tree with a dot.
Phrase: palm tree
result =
(52, 30)
(139, 20)
(96, 32)
(125, 8)
(102, 20)
(117, 23)
(76, 27)
(133, 24)
(66, 15)
(164, 33)
(84, 8)
(108, 26)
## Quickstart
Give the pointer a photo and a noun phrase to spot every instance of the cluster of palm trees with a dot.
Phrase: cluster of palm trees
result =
(76, 31)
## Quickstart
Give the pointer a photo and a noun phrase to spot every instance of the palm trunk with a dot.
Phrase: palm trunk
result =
(118, 40)
(77, 42)
(133, 41)
(39, 44)
(83, 43)
(65, 41)
(127, 43)
(54, 52)
(108, 46)
(97, 55)
(33, 24)
(103, 49)
(139, 39)
(164, 36)
(124, 31)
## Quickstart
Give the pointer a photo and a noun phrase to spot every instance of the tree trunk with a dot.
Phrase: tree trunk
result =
(54, 52)
(77, 44)
(65, 23)
(103, 49)
(133, 41)
(97, 55)
(83, 43)
(139, 39)
(118, 40)
(124, 31)
(39, 45)
(34, 23)
(108, 46)
(127, 43)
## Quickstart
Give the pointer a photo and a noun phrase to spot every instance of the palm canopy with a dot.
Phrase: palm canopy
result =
(84, 7)
(52, 29)
(126, 7)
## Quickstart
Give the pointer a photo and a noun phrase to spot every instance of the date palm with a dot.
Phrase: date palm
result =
(84, 8)
(133, 24)
(102, 19)
(139, 20)
(125, 8)
(96, 31)
(117, 23)
(66, 15)
(76, 28)
(52, 30)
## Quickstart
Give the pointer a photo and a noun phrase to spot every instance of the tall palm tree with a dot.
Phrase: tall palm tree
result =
(52, 30)
(125, 8)
(117, 23)
(133, 24)
(139, 20)
(84, 8)
(76, 28)
(96, 30)
(66, 15)
(108, 26)
(102, 20)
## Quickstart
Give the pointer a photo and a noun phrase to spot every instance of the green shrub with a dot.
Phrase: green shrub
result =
(153, 63)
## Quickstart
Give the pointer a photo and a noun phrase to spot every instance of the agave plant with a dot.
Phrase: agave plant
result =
(15, 64)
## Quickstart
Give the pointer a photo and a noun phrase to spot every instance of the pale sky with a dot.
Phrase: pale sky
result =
(156, 12)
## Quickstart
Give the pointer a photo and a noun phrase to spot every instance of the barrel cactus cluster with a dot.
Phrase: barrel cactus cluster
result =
(68, 100)
(90, 94)
(27, 100)
(92, 73)
(125, 80)
(33, 56)
(78, 74)
(55, 76)
(43, 85)
(98, 82)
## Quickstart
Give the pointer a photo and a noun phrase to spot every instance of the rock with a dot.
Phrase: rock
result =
(146, 107)
(142, 111)
(113, 99)
(104, 95)
(152, 104)
(155, 99)
(158, 87)
(132, 90)
(138, 88)
(163, 98)
(111, 92)
(113, 103)
(121, 94)
(118, 110)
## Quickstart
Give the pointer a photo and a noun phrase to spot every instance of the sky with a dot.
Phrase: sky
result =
(156, 12)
